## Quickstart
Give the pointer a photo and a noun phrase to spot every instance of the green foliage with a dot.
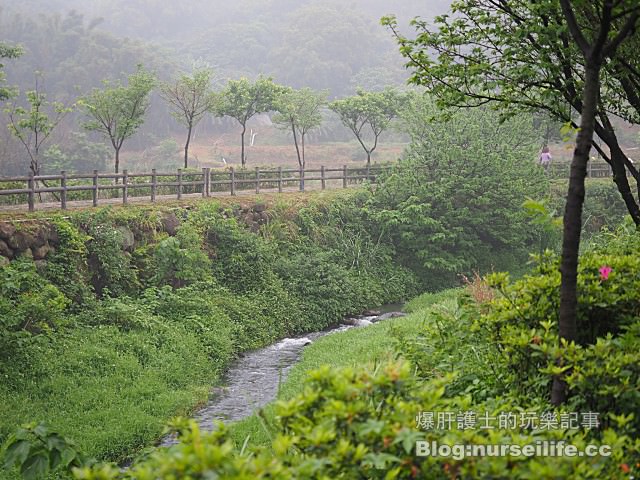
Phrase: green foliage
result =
(299, 111)
(450, 343)
(33, 126)
(350, 423)
(189, 98)
(454, 204)
(28, 305)
(216, 289)
(118, 111)
(242, 99)
(78, 154)
(487, 53)
(599, 366)
(109, 264)
(7, 51)
(35, 451)
(547, 224)
(180, 260)
(368, 114)
(67, 267)
(623, 239)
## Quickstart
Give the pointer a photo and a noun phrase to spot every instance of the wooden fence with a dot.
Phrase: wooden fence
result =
(94, 188)
(594, 169)
(89, 189)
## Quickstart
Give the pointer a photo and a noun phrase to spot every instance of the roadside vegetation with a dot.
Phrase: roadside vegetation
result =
(134, 314)
(490, 348)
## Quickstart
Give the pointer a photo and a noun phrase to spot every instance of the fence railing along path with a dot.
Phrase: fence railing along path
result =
(63, 190)
(594, 169)
(93, 189)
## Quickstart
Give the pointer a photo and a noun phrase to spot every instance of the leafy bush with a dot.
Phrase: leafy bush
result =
(28, 305)
(527, 309)
(599, 368)
(354, 424)
(454, 203)
(109, 263)
(180, 260)
(67, 267)
(36, 451)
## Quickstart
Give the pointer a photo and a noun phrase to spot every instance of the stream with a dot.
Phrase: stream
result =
(253, 380)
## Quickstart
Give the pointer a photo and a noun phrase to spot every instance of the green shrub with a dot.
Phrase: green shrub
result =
(67, 267)
(180, 260)
(353, 424)
(28, 306)
(109, 264)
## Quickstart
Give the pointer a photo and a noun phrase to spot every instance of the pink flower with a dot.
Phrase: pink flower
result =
(605, 270)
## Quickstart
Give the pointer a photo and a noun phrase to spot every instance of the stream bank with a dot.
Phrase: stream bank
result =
(254, 379)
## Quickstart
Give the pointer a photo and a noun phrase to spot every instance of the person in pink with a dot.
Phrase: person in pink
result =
(545, 158)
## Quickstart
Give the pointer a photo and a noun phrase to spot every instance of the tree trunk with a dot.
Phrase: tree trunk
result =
(186, 147)
(117, 159)
(567, 324)
(304, 162)
(295, 142)
(620, 178)
(242, 157)
(618, 162)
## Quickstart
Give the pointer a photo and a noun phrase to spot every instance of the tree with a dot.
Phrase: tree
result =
(189, 98)
(300, 111)
(520, 56)
(597, 46)
(7, 51)
(33, 126)
(492, 50)
(117, 111)
(368, 114)
(242, 99)
(454, 203)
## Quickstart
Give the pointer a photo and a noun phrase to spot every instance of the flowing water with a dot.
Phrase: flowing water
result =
(253, 380)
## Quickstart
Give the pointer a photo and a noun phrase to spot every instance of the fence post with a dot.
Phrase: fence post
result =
(344, 176)
(63, 193)
(31, 185)
(125, 186)
(232, 175)
(257, 179)
(280, 179)
(179, 184)
(590, 169)
(322, 177)
(154, 184)
(95, 188)
(204, 182)
(208, 182)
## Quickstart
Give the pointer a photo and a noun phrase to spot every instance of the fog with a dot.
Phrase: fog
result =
(75, 45)
(319, 44)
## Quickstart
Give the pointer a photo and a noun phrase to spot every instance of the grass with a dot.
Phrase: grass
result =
(109, 390)
(360, 347)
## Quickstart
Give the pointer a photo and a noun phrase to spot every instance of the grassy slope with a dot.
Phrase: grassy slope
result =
(355, 347)
(93, 377)
(111, 390)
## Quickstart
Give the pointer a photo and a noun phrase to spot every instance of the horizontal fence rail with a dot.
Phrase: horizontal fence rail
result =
(91, 188)
(94, 188)
(594, 169)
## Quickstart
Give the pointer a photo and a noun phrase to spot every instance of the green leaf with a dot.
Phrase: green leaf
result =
(35, 467)
(16, 453)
